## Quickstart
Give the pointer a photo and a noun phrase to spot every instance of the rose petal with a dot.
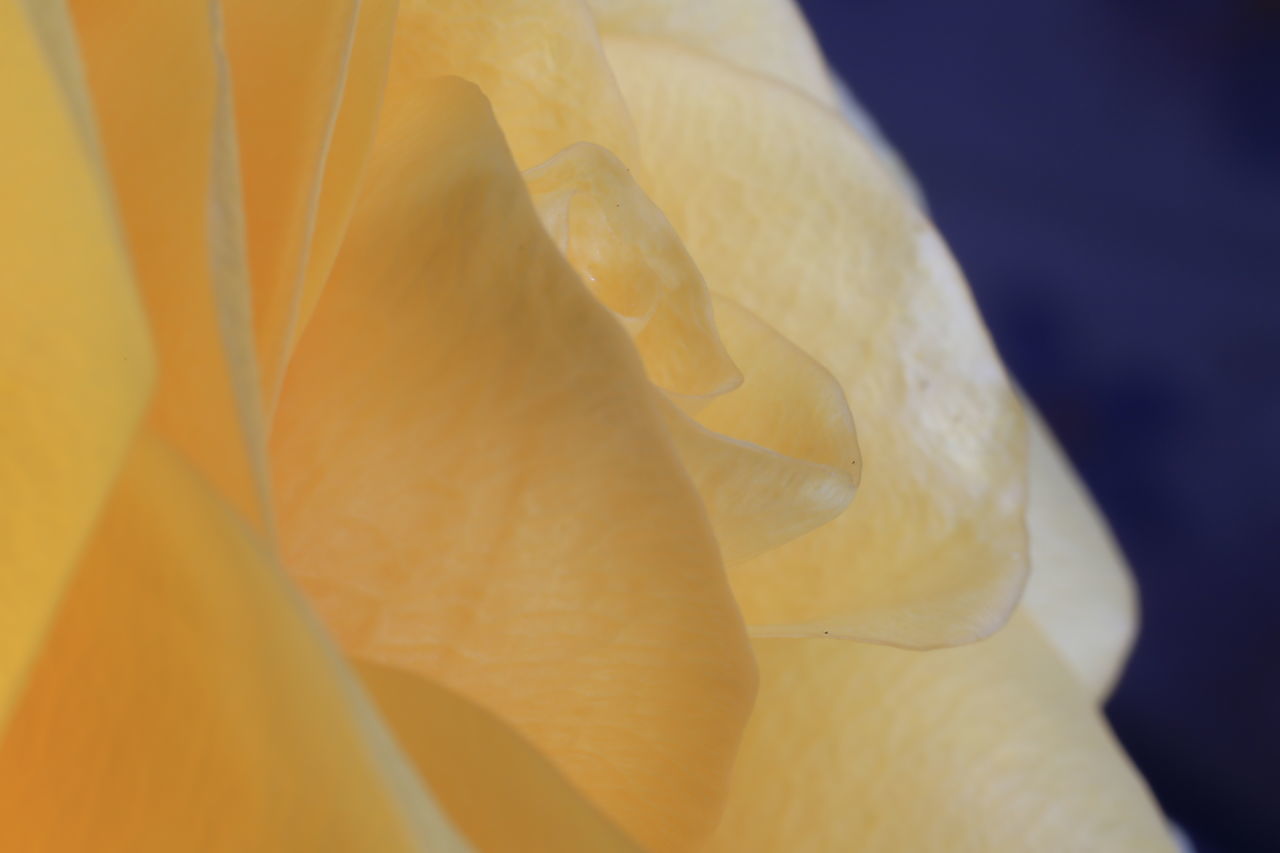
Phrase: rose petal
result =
(628, 254)
(1080, 592)
(75, 360)
(765, 36)
(496, 787)
(308, 78)
(540, 64)
(159, 93)
(775, 457)
(185, 697)
(788, 402)
(786, 210)
(475, 486)
(757, 499)
(991, 747)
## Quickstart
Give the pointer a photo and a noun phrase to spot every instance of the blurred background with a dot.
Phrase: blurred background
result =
(1108, 173)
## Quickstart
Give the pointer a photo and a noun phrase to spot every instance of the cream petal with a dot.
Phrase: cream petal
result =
(990, 747)
(757, 499)
(627, 253)
(787, 211)
(776, 457)
(1080, 592)
(765, 36)
(539, 64)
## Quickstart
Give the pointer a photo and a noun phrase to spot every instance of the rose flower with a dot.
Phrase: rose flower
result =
(429, 428)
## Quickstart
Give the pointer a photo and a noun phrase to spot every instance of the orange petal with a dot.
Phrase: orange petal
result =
(786, 210)
(628, 254)
(308, 80)
(162, 110)
(474, 484)
(765, 36)
(540, 64)
(1080, 592)
(991, 747)
(186, 700)
(496, 787)
(75, 361)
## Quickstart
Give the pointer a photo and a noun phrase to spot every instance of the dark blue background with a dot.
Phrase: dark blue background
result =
(1108, 174)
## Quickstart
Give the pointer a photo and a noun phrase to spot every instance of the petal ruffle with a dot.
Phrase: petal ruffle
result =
(990, 747)
(776, 457)
(771, 461)
(757, 499)
(785, 210)
(475, 485)
(539, 64)
(633, 261)
(788, 402)
(75, 359)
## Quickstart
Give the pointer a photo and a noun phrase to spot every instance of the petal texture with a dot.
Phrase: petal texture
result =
(475, 485)
(990, 747)
(766, 36)
(788, 212)
(185, 696)
(75, 359)
(1080, 592)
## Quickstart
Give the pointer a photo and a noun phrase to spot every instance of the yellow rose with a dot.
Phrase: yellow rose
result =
(410, 310)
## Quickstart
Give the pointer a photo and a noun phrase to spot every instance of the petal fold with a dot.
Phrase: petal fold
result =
(498, 790)
(186, 697)
(75, 359)
(308, 78)
(788, 402)
(757, 499)
(633, 261)
(160, 96)
(787, 211)
(539, 63)
(627, 252)
(475, 485)
(775, 457)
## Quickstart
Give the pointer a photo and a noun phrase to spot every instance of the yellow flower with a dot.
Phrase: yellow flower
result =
(402, 318)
